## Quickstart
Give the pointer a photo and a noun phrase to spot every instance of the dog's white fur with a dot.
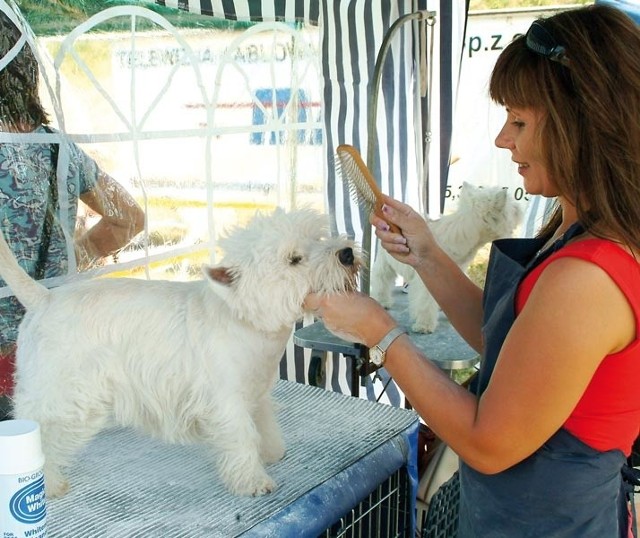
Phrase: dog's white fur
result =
(188, 362)
(483, 214)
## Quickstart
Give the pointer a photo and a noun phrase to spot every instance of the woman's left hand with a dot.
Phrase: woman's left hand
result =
(354, 316)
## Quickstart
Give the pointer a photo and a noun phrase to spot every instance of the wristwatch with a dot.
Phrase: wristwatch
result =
(377, 354)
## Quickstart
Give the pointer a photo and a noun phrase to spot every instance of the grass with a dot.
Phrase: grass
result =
(502, 4)
(478, 269)
(56, 17)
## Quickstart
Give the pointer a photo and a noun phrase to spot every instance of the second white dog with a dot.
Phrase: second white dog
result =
(483, 214)
(188, 362)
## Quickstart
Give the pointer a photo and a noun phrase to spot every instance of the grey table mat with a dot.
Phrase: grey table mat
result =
(127, 485)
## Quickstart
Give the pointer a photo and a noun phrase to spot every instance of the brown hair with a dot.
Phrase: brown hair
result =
(590, 136)
(20, 105)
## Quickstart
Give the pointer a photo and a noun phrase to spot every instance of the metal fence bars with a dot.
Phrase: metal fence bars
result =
(441, 520)
(385, 513)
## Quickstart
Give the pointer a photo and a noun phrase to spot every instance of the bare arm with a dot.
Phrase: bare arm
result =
(546, 363)
(121, 218)
(457, 295)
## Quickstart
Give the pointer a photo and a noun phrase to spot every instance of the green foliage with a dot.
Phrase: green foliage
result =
(503, 4)
(58, 17)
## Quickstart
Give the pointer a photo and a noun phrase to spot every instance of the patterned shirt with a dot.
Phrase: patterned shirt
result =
(25, 172)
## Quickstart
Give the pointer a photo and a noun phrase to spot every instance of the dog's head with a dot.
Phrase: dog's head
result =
(276, 260)
(498, 213)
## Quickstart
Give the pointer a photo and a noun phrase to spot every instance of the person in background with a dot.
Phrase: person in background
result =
(544, 437)
(36, 219)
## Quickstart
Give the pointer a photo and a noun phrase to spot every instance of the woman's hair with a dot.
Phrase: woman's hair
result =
(20, 105)
(590, 134)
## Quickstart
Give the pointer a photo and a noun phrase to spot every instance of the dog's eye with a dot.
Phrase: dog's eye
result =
(295, 259)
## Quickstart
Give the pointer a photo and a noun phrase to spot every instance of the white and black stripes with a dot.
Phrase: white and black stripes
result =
(251, 10)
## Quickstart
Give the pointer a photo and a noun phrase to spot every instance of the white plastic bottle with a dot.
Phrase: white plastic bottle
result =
(23, 509)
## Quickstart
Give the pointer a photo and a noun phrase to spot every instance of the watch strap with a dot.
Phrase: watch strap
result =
(388, 338)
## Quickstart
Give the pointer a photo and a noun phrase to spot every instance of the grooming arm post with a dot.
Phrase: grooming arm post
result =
(372, 140)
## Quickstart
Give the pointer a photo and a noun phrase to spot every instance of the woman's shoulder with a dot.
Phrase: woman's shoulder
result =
(599, 251)
(619, 262)
(607, 263)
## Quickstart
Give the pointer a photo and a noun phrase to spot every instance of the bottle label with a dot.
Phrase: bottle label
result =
(23, 506)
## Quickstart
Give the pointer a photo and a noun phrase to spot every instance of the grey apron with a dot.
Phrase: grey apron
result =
(565, 489)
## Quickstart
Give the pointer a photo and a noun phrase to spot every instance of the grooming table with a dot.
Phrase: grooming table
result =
(339, 449)
(444, 347)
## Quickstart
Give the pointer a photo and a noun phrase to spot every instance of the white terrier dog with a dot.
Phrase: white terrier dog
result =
(483, 214)
(188, 362)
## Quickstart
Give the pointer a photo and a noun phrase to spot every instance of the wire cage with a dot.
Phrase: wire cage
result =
(385, 513)
(441, 520)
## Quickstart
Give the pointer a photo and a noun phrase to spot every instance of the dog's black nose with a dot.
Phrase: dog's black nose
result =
(346, 256)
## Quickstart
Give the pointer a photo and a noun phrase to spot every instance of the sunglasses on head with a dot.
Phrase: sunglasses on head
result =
(540, 41)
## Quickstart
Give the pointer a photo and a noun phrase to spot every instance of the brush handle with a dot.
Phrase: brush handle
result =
(378, 211)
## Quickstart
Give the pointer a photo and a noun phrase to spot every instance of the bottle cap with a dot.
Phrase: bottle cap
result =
(20, 446)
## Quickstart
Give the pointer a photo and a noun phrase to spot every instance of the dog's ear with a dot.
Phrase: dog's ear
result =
(466, 185)
(501, 199)
(222, 275)
(221, 281)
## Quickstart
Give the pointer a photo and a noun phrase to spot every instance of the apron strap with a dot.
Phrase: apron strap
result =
(573, 231)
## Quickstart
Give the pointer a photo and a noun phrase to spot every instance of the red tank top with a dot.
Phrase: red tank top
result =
(608, 414)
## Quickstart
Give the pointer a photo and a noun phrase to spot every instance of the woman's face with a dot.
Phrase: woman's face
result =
(519, 135)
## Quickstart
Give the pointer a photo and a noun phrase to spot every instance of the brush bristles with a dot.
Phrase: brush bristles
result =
(361, 185)
(359, 189)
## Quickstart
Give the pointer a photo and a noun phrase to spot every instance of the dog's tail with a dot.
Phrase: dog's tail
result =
(28, 291)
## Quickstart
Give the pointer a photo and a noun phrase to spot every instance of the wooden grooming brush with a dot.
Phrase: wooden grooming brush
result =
(360, 182)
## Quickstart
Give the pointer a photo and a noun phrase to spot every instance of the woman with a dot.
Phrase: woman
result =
(557, 408)
(37, 218)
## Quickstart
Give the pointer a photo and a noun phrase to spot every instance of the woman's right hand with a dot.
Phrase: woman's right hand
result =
(415, 242)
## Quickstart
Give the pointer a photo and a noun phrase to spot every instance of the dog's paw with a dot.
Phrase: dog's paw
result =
(424, 327)
(254, 487)
(264, 487)
(385, 299)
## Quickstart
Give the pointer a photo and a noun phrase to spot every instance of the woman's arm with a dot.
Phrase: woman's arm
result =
(574, 317)
(121, 218)
(459, 298)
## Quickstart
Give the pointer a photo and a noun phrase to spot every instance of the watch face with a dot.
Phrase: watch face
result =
(376, 356)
